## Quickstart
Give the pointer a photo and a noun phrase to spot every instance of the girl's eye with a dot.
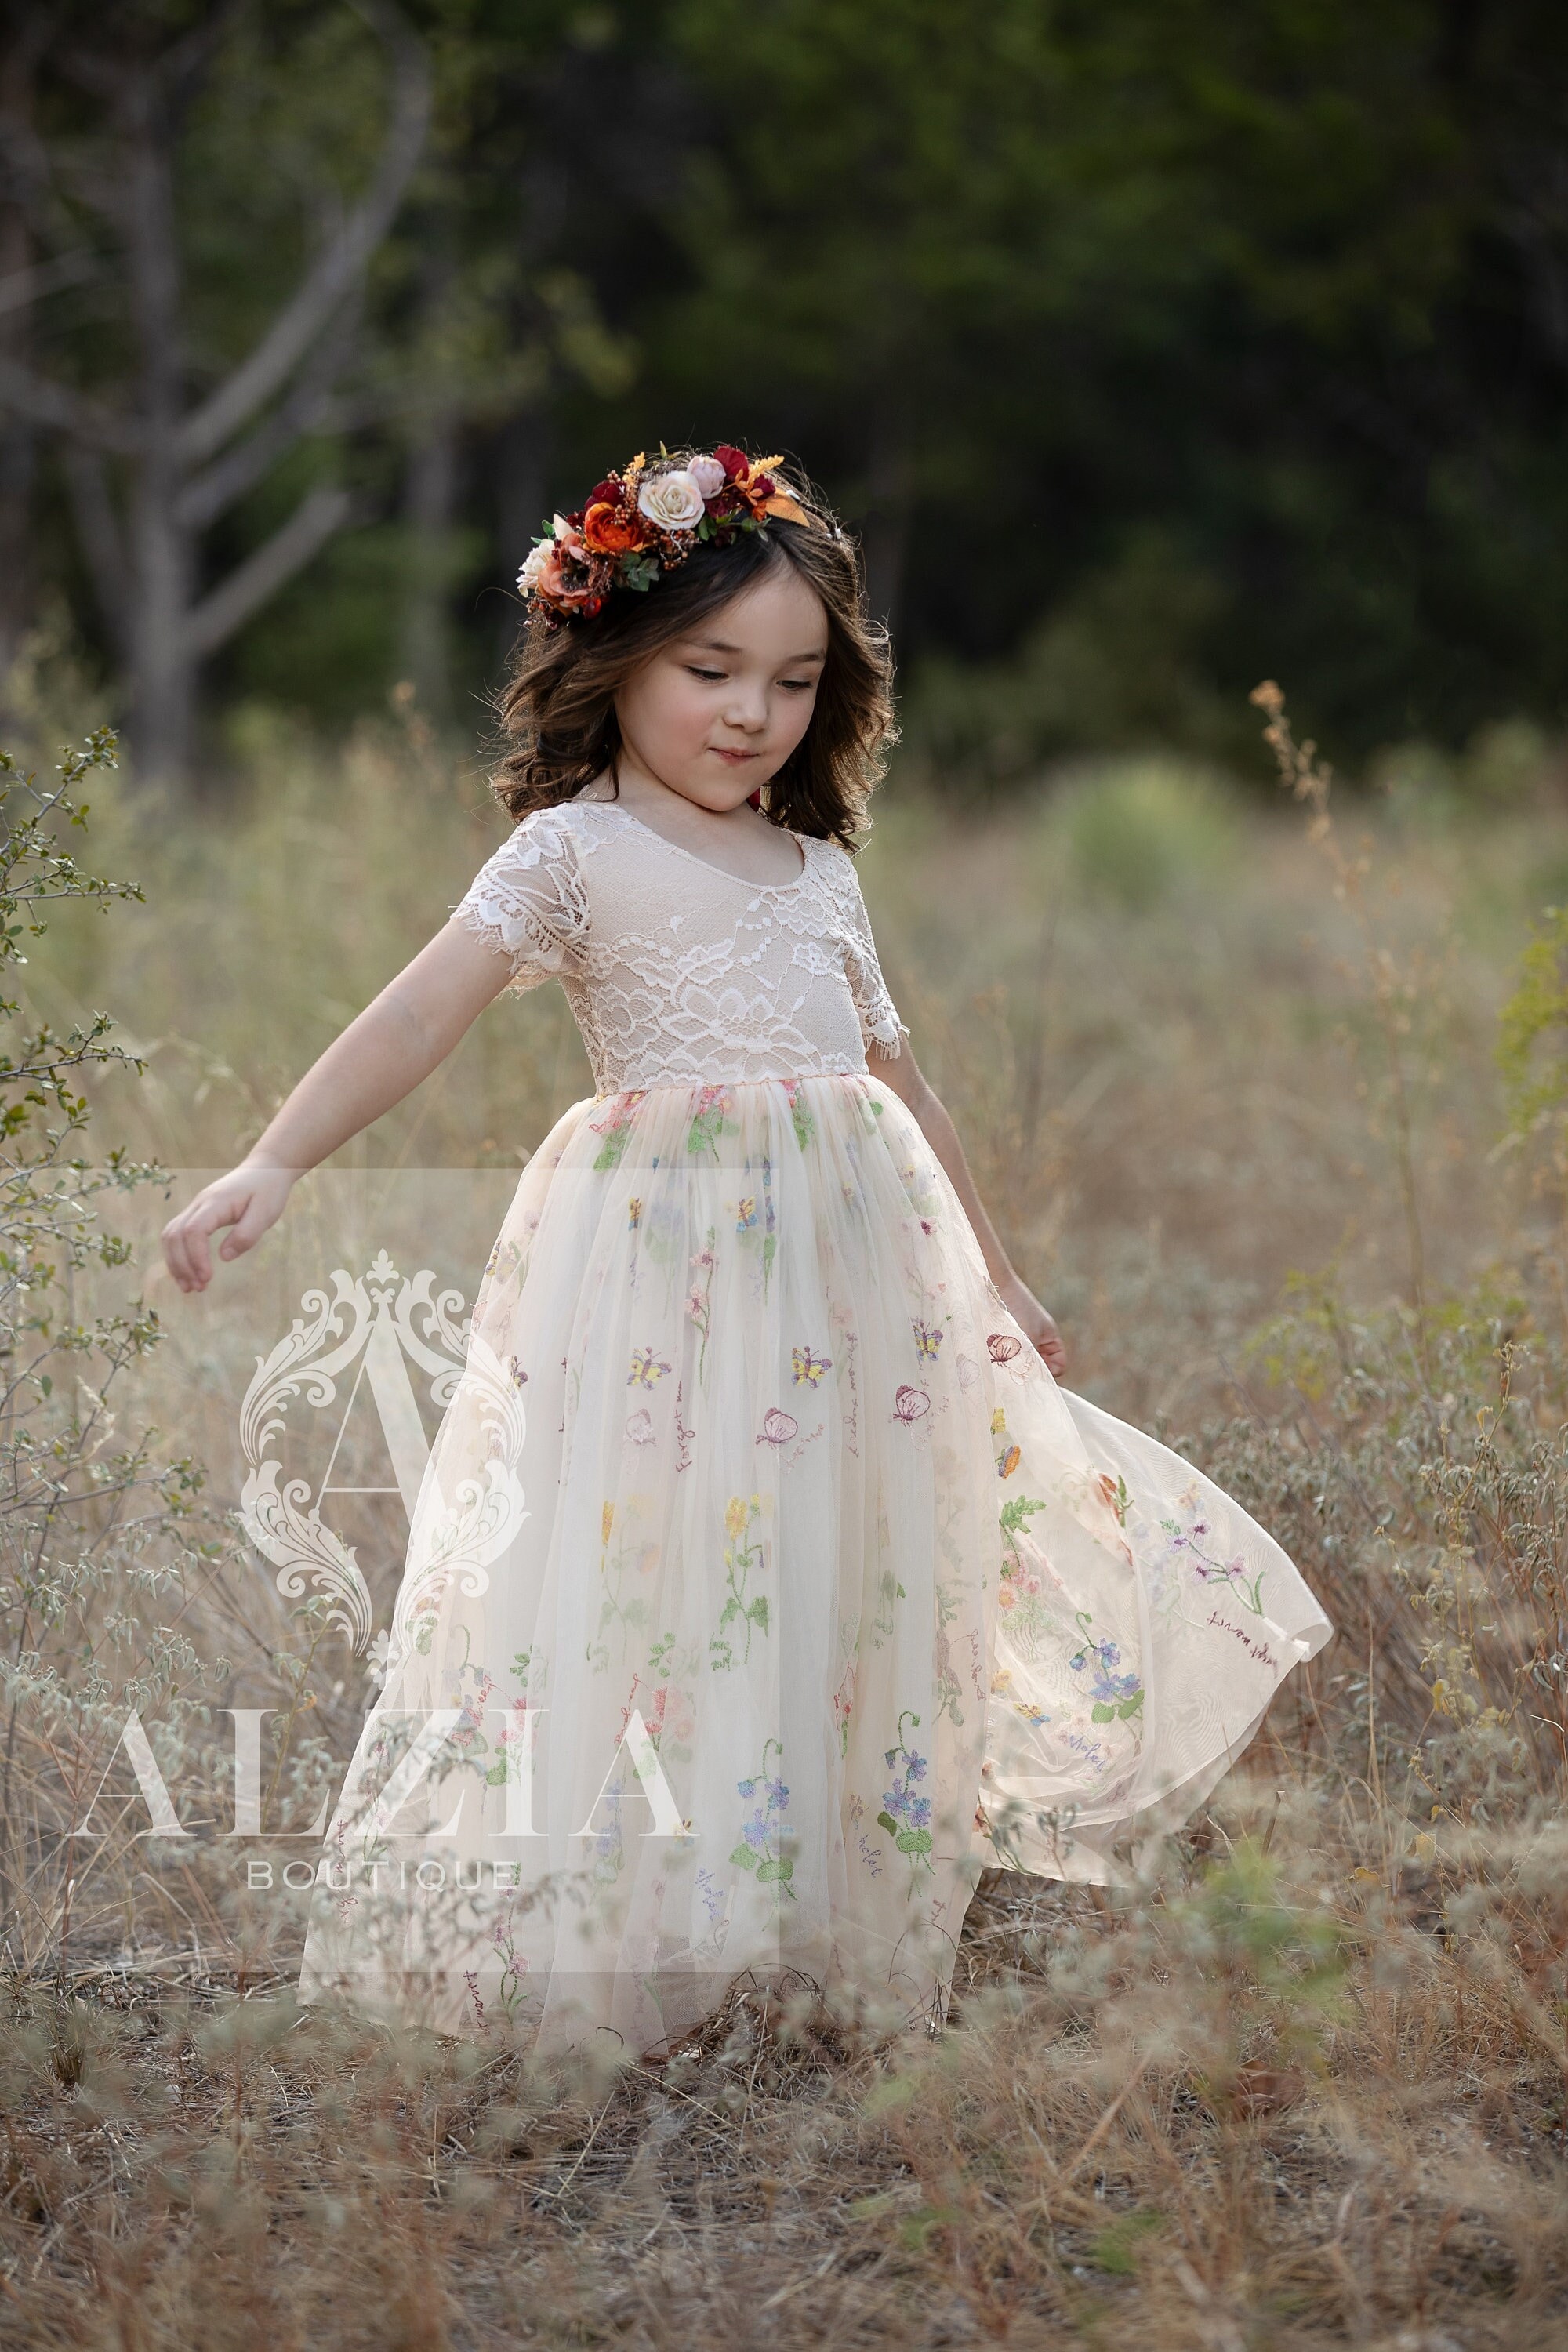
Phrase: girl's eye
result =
(703, 673)
(797, 684)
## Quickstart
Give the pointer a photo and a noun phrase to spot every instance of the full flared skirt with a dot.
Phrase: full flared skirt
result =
(764, 1586)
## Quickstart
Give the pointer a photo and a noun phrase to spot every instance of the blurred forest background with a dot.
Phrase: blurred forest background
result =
(1152, 347)
(1155, 348)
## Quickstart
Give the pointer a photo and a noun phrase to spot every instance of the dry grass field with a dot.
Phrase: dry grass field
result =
(1228, 1077)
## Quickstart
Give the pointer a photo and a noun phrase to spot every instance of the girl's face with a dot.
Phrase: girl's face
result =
(714, 715)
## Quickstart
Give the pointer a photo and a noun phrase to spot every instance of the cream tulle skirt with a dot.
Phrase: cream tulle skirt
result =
(763, 1587)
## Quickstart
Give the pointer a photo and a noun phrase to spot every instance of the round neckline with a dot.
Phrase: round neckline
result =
(707, 864)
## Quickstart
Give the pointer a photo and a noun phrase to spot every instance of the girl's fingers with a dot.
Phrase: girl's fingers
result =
(185, 1247)
(249, 1230)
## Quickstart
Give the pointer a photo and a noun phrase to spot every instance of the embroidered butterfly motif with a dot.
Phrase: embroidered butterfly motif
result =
(648, 1369)
(809, 1368)
(927, 1340)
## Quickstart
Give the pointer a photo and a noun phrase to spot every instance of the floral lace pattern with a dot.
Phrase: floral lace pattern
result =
(676, 971)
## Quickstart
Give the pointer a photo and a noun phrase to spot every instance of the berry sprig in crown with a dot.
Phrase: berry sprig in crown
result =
(642, 522)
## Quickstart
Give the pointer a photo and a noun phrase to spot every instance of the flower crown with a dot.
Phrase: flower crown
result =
(641, 522)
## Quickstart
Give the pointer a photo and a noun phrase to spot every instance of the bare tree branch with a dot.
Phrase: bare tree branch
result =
(56, 406)
(102, 72)
(307, 406)
(256, 379)
(214, 620)
(30, 284)
(102, 542)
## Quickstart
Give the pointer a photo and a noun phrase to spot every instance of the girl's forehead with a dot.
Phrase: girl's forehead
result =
(779, 615)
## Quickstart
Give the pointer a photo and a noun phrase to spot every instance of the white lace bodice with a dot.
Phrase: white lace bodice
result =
(677, 972)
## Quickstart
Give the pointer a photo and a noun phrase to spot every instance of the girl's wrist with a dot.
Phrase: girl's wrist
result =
(257, 1158)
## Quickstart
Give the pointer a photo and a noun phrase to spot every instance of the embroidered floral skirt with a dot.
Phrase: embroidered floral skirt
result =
(763, 1588)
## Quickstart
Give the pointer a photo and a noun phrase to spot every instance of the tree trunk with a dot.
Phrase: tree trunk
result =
(162, 554)
(185, 463)
(521, 469)
(18, 435)
(429, 508)
(885, 534)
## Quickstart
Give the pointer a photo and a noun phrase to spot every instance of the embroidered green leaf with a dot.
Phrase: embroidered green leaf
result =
(614, 1146)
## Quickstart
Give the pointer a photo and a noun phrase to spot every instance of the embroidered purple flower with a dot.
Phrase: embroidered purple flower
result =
(901, 1798)
(1107, 1685)
(905, 1816)
(762, 1836)
(1207, 1566)
(1116, 1696)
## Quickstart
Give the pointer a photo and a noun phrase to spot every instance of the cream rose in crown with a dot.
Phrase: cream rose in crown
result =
(673, 501)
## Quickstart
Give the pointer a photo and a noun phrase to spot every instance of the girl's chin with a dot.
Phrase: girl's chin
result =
(722, 794)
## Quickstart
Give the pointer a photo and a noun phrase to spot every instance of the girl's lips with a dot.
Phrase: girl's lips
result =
(736, 757)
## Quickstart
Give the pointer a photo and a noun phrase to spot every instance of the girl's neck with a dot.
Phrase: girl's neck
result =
(740, 840)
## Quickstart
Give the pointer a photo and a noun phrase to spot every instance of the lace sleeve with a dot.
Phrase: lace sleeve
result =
(528, 900)
(881, 1024)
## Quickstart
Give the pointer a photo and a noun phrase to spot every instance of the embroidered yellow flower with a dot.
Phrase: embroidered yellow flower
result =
(605, 1516)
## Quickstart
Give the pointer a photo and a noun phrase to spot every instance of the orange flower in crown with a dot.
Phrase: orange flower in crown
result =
(638, 524)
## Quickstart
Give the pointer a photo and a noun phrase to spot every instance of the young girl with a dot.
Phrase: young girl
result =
(763, 1585)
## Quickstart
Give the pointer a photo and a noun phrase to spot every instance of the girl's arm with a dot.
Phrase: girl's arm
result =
(400, 1037)
(902, 1078)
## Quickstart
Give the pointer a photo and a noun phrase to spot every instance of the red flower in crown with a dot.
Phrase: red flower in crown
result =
(638, 524)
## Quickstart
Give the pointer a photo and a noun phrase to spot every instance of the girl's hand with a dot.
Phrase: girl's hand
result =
(249, 1198)
(1036, 1324)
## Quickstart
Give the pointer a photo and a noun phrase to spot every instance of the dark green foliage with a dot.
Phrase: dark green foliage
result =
(1152, 347)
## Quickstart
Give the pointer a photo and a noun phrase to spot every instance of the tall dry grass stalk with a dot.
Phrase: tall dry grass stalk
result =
(1238, 1108)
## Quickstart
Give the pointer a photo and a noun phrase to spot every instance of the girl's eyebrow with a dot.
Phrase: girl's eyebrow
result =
(718, 645)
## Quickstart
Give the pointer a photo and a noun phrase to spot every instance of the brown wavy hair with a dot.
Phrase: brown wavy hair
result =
(557, 708)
